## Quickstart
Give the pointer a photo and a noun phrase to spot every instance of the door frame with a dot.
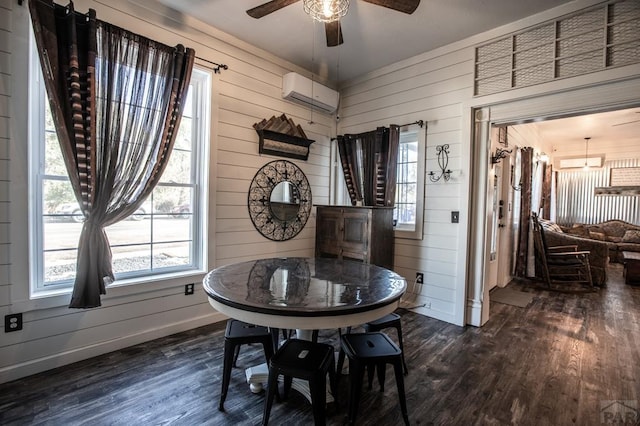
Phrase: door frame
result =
(614, 95)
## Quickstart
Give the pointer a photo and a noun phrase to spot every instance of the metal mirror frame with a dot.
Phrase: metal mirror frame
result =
(259, 200)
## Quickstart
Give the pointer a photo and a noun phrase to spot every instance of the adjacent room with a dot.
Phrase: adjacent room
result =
(223, 212)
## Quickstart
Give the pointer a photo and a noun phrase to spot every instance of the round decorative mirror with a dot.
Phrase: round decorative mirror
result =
(279, 200)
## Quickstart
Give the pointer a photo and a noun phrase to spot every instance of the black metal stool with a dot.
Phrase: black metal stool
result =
(304, 360)
(241, 333)
(389, 321)
(374, 349)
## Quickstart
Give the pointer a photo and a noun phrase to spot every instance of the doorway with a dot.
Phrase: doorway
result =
(581, 102)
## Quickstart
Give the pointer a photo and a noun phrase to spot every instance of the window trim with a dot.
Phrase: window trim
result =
(405, 231)
(57, 294)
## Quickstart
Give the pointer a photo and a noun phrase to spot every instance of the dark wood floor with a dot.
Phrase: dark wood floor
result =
(554, 362)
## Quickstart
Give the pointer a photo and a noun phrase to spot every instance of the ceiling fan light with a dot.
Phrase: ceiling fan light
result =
(326, 10)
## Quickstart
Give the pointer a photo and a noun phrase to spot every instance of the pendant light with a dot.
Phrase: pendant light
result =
(586, 154)
(326, 10)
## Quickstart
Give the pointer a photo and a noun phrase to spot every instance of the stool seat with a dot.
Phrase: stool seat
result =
(369, 350)
(304, 360)
(391, 320)
(236, 334)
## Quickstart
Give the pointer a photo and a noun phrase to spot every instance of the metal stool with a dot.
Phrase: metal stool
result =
(304, 360)
(370, 350)
(389, 321)
(241, 333)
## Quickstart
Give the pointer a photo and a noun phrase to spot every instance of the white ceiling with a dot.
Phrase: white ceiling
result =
(374, 36)
(602, 128)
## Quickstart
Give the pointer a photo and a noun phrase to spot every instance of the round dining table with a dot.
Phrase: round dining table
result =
(305, 294)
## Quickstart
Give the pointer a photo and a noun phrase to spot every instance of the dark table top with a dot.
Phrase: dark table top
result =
(304, 287)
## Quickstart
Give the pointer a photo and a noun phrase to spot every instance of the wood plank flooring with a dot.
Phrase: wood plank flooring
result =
(552, 363)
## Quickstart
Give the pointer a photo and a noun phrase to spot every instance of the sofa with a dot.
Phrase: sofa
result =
(598, 250)
(617, 234)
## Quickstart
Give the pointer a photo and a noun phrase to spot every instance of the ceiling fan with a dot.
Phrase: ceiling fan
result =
(332, 29)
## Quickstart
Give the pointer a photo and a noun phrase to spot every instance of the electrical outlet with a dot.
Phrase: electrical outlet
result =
(12, 322)
(419, 277)
(189, 289)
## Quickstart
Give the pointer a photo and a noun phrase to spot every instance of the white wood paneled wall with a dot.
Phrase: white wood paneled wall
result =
(432, 89)
(525, 135)
(437, 87)
(247, 92)
(5, 117)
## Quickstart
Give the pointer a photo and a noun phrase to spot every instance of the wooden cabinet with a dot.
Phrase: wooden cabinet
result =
(356, 233)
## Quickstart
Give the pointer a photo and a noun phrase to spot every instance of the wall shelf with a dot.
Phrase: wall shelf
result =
(284, 145)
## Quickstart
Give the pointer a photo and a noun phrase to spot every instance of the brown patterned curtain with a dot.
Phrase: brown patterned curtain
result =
(116, 100)
(369, 163)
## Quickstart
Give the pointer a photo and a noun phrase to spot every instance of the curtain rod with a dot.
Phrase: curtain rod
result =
(419, 123)
(216, 69)
(218, 66)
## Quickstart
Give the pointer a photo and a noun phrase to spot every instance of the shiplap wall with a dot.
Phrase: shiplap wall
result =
(430, 89)
(5, 80)
(247, 92)
(524, 135)
(438, 87)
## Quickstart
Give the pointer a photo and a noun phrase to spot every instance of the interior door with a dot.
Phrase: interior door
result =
(506, 211)
(495, 224)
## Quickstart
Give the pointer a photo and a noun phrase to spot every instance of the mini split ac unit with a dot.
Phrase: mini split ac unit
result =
(302, 90)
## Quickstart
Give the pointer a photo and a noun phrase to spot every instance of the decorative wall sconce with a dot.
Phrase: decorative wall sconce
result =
(499, 155)
(442, 151)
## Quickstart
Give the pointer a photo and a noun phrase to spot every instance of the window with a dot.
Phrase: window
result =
(407, 214)
(165, 236)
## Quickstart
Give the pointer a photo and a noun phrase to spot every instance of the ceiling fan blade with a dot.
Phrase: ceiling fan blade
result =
(269, 7)
(405, 6)
(334, 33)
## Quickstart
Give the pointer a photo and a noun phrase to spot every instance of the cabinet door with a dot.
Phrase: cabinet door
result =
(355, 235)
(328, 232)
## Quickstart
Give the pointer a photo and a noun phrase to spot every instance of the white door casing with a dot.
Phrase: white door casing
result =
(617, 94)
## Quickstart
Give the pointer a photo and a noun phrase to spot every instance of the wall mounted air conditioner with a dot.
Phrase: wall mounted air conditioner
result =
(302, 90)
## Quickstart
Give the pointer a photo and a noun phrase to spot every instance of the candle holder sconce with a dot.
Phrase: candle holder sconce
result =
(442, 152)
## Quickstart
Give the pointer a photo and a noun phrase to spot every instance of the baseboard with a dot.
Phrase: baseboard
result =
(39, 365)
(474, 312)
